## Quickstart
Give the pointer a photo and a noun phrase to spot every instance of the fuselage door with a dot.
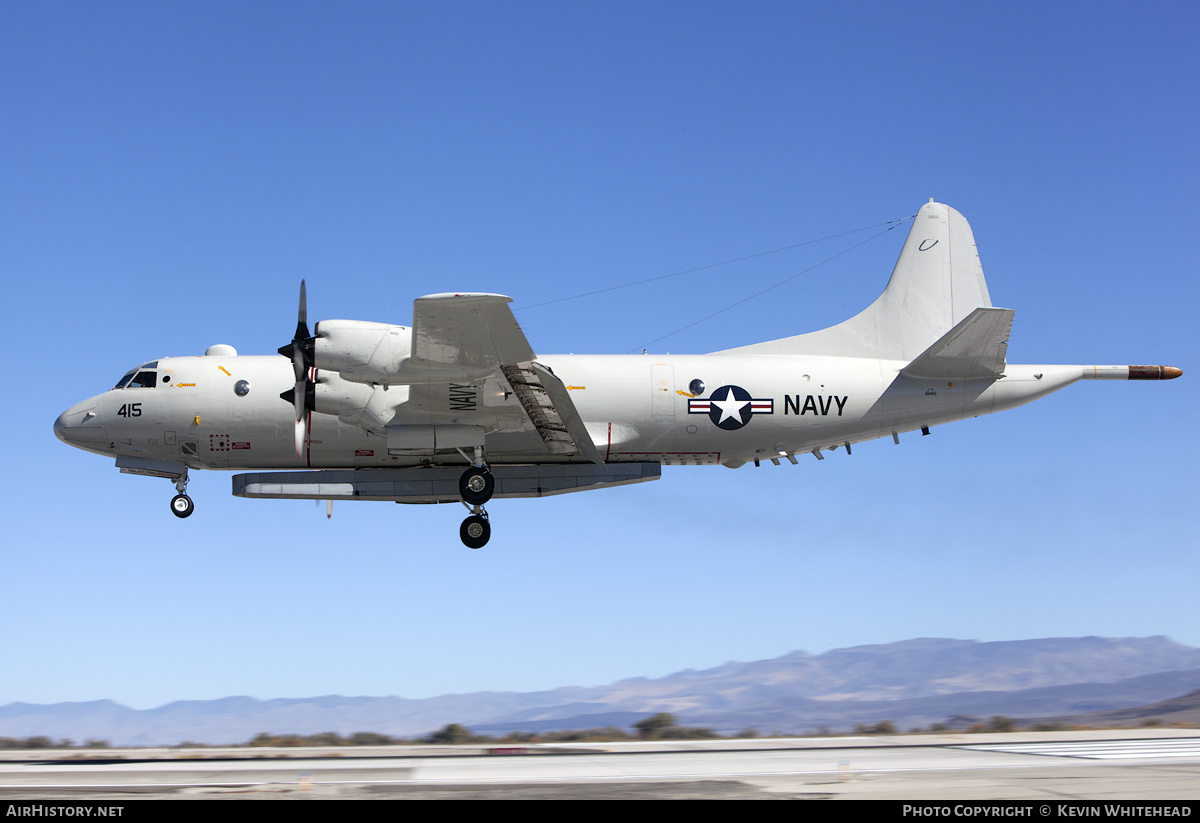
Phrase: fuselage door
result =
(662, 386)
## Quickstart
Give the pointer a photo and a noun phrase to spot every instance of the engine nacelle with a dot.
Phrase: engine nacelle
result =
(330, 394)
(355, 403)
(361, 351)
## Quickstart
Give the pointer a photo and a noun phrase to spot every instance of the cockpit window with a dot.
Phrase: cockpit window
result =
(143, 377)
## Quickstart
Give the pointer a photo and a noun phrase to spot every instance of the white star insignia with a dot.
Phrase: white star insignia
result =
(730, 407)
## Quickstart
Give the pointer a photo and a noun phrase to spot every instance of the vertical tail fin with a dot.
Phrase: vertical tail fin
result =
(938, 281)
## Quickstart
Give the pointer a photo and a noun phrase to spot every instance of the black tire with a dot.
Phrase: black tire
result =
(475, 532)
(476, 486)
(181, 505)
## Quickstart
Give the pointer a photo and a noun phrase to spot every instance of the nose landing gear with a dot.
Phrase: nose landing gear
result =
(181, 504)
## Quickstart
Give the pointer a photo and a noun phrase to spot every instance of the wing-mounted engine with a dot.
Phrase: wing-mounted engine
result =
(453, 371)
(361, 351)
(355, 356)
(356, 404)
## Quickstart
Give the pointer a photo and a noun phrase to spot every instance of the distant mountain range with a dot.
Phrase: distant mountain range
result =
(913, 683)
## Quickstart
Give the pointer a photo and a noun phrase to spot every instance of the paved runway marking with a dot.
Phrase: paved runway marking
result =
(1102, 750)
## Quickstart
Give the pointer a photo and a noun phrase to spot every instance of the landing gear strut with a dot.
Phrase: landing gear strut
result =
(181, 504)
(476, 487)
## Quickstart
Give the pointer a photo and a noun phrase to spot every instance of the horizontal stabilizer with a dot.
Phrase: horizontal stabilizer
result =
(976, 347)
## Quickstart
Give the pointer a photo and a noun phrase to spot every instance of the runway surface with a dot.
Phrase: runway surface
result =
(1045, 767)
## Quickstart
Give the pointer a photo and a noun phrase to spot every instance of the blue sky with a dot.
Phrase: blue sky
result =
(173, 170)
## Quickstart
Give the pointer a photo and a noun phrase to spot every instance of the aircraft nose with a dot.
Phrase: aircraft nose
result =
(80, 425)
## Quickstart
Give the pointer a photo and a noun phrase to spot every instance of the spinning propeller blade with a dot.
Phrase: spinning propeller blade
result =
(300, 352)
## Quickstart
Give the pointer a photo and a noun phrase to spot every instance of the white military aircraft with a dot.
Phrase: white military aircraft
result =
(458, 407)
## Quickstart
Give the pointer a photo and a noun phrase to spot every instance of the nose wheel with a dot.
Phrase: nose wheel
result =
(181, 504)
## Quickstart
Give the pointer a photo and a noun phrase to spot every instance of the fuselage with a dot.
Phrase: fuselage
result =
(225, 412)
(458, 407)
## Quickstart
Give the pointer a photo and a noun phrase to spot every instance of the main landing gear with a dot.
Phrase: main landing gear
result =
(475, 530)
(476, 487)
(181, 504)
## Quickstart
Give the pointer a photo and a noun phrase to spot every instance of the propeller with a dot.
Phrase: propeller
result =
(300, 352)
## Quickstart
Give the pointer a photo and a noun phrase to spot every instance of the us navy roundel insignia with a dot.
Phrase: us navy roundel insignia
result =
(731, 407)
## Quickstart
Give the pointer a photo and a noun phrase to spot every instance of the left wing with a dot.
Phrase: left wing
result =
(459, 338)
(465, 336)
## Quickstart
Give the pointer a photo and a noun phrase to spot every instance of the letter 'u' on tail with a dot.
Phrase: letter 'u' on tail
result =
(938, 281)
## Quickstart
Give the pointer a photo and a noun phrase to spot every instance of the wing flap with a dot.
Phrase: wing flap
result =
(549, 408)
